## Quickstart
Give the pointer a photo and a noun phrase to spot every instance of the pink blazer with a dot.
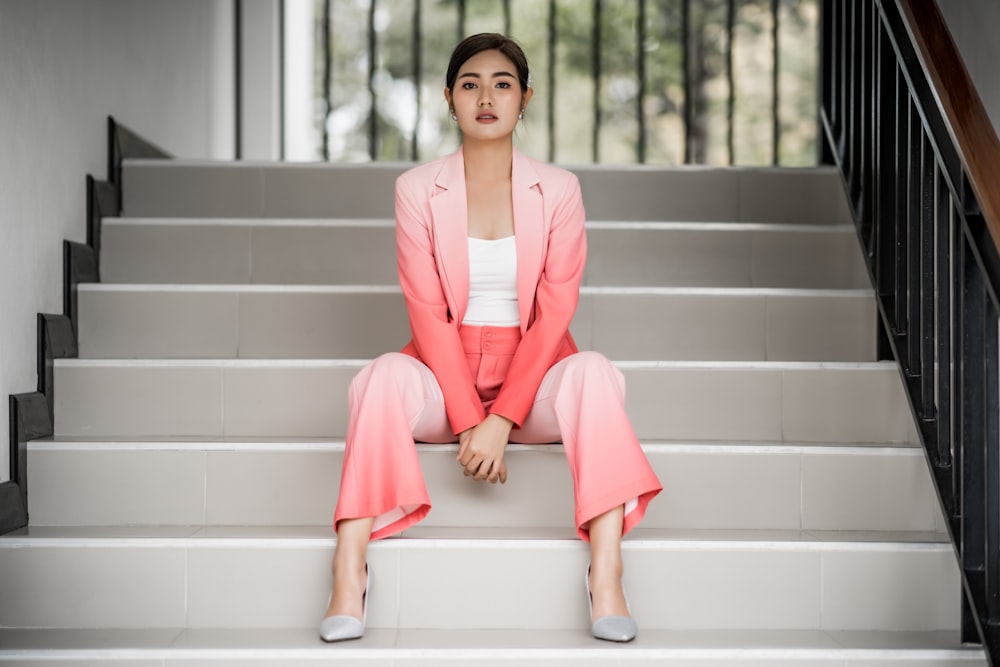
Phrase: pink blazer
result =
(433, 260)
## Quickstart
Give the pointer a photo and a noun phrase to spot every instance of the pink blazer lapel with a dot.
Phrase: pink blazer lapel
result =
(529, 233)
(450, 210)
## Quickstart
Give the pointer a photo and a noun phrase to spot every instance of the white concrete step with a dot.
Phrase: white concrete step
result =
(186, 188)
(745, 401)
(433, 578)
(746, 486)
(254, 321)
(527, 648)
(662, 254)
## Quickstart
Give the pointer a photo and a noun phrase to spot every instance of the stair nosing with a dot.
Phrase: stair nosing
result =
(338, 444)
(468, 654)
(769, 366)
(643, 290)
(389, 223)
(796, 541)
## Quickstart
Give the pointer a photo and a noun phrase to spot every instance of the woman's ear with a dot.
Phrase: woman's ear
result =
(526, 97)
(447, 96)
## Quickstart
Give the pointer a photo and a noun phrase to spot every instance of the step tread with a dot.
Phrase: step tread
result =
(482, 537)
(382, 643)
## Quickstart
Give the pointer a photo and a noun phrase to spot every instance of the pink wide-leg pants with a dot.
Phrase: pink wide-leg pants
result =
(396, 400)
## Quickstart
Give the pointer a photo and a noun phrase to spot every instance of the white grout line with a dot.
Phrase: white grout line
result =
(638, 365)
(828, 172)
(211, 363)
(239, 288)
(204, 487)
(242, 288)
(389, 223)
(250, 266)
(187, 588)
(374, 223)
(488, 543)
(758, 365)
(653, 449)
(558, 654)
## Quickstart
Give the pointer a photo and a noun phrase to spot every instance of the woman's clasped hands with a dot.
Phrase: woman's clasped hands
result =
(481, 449)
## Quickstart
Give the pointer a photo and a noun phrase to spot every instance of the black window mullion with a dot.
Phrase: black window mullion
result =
(372, 63)
(595, 73)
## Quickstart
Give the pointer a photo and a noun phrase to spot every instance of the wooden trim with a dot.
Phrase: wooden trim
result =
(959, 102)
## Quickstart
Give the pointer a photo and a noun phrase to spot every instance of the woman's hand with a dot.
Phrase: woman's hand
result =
(481, 448)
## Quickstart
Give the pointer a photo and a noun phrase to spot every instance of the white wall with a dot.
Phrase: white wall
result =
(260, 92)
(972, 24)
(164, 69)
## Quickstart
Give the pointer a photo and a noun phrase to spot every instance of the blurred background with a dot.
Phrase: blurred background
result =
(363, 79)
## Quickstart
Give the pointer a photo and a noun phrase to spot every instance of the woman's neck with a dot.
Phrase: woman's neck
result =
(487, 161)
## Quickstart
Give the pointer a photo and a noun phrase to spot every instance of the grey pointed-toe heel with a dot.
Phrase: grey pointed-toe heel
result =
(610, 628)
(340, 628)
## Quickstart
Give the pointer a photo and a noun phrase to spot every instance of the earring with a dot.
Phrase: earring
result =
(520, 116)
(453, 115)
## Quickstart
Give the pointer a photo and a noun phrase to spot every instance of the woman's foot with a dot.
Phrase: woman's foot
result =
(339, 624)
(610, 619)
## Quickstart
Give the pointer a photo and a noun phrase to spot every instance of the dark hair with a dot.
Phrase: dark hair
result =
(488, 41)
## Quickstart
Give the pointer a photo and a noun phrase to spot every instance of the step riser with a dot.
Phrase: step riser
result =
(718, 489)
(161, 323)
(158, 189)
(701, 586)
(283, 255)
(669, 403)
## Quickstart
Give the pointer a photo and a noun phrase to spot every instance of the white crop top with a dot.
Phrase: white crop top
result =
(492, 283)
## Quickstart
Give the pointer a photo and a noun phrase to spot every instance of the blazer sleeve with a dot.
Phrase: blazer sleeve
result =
(435, 336)
(556, 297)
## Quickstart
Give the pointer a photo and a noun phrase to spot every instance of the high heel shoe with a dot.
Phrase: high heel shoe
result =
(339, 628)
(610, 628)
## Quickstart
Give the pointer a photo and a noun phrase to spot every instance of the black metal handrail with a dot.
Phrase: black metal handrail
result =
(687, 26)
(919, 214)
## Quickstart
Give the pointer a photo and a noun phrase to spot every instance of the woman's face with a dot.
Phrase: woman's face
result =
(487, 97)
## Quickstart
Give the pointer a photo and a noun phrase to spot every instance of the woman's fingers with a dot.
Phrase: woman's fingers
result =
(463, 445)
(475, 463)
(498, 473)
(486, 470)
(464, 458)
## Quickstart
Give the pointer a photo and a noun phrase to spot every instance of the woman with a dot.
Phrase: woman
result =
(491, 248)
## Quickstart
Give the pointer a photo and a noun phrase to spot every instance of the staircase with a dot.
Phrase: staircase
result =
(181, 514)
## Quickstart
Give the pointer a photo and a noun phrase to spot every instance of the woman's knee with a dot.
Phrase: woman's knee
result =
(393, 367)
(590, 363)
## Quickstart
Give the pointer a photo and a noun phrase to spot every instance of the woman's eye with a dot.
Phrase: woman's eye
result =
(468, 85)
(503, 84)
